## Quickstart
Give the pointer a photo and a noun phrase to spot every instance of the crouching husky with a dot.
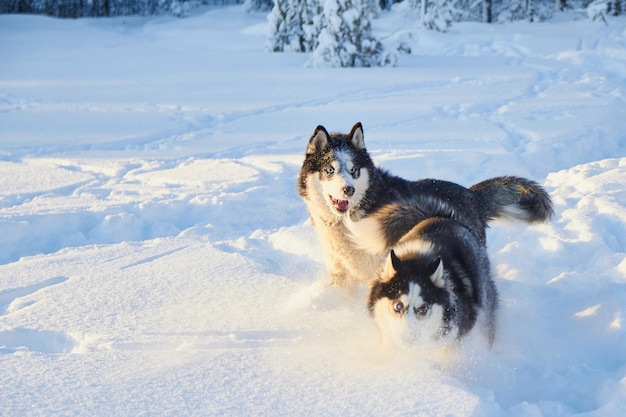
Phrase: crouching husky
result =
(435, 286)
(360, 211)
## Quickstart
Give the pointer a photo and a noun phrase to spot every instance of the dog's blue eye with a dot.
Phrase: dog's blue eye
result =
(354, 171)
(422, 310)
(398, 306)
(330, 170)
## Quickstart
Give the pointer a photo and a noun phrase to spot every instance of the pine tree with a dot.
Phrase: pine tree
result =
(514, 10)
(293, 22)
(346, 38)
(440, 14)
(96, 8)
(598, 10)
(437, 14)
(531, 10)
(311, 23)
(292, 25)
(278, 37)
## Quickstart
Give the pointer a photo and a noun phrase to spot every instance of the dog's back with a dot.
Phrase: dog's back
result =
(392, 214)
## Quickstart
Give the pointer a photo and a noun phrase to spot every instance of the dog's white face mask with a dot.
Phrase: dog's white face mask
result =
(343, 184)
(408, 318)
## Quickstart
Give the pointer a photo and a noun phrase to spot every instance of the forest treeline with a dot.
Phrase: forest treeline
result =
(105, 8)
(452, 10)
(336, 33)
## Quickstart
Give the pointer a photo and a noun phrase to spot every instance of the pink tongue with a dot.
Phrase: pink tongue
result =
(342, 205)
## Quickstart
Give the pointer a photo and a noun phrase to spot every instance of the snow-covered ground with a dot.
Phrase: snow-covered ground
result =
(155, 258)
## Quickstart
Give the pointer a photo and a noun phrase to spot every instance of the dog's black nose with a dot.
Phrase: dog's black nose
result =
(349, 191)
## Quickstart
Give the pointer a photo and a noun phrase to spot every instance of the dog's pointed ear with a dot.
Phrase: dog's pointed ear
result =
(391, 267)
(437, 276)
(375, 294)
(318, 141)
(356, 136)
(395, 261)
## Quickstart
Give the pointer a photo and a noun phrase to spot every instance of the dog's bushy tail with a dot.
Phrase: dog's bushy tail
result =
(514, 198)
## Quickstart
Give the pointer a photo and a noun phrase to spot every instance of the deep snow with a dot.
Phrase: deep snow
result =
(156, 259)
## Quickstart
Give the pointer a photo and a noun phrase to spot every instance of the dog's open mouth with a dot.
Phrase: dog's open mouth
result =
(340, 205)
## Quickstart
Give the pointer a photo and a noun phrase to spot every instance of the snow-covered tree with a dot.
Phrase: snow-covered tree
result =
(278, 37)
(311, 23)
(600, 9)
(531, 10)
(346, 38)
(102, 8)
(294, 25)
(440, 14)
(437, 14)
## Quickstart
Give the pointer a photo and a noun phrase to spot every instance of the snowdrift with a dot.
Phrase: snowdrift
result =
(155, 257)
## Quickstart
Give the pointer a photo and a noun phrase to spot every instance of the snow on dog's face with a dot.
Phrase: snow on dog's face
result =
(410, 302)
(336, 170)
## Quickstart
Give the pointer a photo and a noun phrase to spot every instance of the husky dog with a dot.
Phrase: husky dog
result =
(335, 177)
(360, 211)
(435, 285)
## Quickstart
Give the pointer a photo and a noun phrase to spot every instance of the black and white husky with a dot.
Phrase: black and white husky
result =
(435, 286)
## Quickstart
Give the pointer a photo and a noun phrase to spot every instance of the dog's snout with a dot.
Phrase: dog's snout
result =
(348, 191)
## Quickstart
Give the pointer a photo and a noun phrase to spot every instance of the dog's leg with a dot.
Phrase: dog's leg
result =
(338, 275)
